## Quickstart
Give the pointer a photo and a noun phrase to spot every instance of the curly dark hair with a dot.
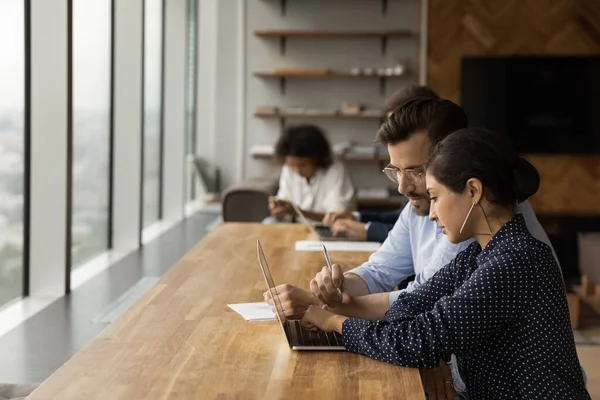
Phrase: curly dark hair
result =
(305, 141)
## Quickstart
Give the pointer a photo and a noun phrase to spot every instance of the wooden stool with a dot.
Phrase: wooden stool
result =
(589, 293)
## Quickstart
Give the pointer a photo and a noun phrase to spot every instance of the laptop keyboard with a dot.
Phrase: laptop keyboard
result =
(303, 337)
(325, 232)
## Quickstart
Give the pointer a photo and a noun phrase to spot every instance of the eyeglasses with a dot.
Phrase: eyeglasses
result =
(415, 176)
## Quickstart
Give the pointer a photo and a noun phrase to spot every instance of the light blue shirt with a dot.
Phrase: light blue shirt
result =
(417, 246)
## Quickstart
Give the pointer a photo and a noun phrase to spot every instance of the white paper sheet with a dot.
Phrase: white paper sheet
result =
(253, 311)
(317, 245)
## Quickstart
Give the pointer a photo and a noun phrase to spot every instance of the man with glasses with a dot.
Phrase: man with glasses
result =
(415, 245)
(375, 226)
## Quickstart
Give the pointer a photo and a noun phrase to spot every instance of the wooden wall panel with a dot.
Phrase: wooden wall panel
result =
(457, 28)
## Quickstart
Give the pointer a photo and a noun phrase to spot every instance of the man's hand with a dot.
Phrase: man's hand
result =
(280, 208)
(325, 285)
(353, 229)
(318, 318)
(333, 216)
(294, 301)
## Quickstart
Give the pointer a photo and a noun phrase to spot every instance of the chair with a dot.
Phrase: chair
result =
(249, 201)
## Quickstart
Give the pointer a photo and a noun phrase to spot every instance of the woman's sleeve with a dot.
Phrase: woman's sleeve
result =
(339, 190)
(493, 296)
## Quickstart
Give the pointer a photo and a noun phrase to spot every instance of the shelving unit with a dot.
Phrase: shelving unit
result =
(320, 116)
(283, 35)
(282, 76)
(358, 160)
(387, 35)
(283, 116)
(283, 6)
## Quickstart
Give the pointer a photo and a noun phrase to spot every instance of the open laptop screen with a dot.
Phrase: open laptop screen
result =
(267, 274)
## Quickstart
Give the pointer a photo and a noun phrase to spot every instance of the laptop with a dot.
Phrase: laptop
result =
(320, 230)
(298, 338)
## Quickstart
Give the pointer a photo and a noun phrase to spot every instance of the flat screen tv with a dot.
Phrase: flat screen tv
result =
(545, 104)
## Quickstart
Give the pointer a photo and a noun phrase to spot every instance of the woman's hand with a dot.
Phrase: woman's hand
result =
(280, 208)
(318, 318)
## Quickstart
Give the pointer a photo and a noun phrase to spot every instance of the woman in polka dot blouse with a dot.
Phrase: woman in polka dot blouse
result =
(499, 306)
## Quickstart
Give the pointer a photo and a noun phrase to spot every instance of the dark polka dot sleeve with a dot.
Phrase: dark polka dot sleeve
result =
(503, 313)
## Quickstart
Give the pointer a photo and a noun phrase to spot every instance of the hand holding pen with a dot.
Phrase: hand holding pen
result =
(328, 284)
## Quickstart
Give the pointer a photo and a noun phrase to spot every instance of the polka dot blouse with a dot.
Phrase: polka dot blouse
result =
(502, 311)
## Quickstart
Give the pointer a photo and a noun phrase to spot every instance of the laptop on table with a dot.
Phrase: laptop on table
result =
(298, 338)
(320, 230)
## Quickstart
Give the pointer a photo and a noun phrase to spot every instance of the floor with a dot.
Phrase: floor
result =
(35, 349)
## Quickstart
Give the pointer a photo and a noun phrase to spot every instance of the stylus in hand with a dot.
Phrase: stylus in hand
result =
(339, 292)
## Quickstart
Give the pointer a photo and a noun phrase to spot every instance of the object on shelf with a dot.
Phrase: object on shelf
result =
(262, 150)
(368, 71)
(342, 147)
(267, 110)
(351, 107)
(399, 69)
(355, 71)
(302, 71)
(358, 151)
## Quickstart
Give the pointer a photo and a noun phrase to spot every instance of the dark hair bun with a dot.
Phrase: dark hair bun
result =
(527, 180)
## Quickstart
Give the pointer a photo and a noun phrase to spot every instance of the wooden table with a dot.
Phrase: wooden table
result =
(181, 341)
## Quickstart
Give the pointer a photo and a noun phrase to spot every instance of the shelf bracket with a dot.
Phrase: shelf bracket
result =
(384, 45)
(384, 7)
(382, 85)
(282, 84)
(282, 43)
(283, 4)
(282, 123)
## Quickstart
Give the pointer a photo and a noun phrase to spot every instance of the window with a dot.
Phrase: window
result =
(12, 140)
(153, 80)
(91, 128)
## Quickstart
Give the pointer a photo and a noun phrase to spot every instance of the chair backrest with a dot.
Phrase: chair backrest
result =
(245, 205)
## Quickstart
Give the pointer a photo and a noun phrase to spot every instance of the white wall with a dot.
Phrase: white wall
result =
(220, 84)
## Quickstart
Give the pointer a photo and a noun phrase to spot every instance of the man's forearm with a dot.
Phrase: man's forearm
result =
(354, 285)
(315, 216)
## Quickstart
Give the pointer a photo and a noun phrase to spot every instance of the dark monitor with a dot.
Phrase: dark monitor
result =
(545, 104)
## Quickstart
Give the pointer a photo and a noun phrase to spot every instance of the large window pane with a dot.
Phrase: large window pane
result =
(12, 95)
(153, 16)
(91, 127)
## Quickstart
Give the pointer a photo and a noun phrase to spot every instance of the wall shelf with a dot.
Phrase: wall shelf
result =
(283, 116)
(283, 75)
(319, 116)
(384, 7)
(274, 33)
(283, 35)
(357, 160)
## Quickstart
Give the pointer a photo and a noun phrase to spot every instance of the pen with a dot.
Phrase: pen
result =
(339, 292)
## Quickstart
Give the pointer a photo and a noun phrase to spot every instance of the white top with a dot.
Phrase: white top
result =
(329, 189)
